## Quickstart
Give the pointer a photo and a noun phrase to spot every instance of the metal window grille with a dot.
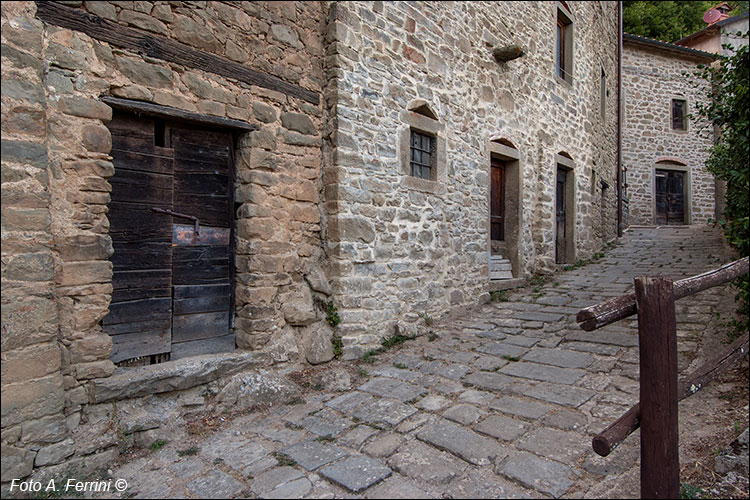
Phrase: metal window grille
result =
(422, 149)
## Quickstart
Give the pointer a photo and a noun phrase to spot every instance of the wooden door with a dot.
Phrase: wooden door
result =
(140, 313)
(497, 200)
(201, 265)
(171, 284)
(560, 217)
(669, 197)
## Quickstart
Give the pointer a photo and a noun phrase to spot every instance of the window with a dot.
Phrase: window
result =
(679, 114)
(421, 148)
(564, 45)
(422, 153)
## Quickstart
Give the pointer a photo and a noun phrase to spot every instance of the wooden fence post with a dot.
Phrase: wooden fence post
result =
(657, 341)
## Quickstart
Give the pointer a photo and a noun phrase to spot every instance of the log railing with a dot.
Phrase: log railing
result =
(656, 413)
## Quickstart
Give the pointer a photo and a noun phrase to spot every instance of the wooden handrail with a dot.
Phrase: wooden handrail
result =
(615, 309)
(607, 440)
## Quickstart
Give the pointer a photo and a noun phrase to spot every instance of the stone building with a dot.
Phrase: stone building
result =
(407, 224)
(180, 178)
(721, 31)
(664, 143)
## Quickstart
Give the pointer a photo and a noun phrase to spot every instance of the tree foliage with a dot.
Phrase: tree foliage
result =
(669, 20)
(728, 112)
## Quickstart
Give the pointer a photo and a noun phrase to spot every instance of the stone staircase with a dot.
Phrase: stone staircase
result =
(501, 274)
(500, 268)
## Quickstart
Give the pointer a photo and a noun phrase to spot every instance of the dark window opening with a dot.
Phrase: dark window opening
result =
(159, 133)
(422, 154)
(603, 94)
(564, 47)
(679, 114)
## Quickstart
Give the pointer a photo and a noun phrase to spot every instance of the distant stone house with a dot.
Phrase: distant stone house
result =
(725, 31)
(181, 179)
(665, 144)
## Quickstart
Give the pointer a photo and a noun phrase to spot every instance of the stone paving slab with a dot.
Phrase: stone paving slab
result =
(496, 334)
(487, 380)
(503, 349)
(215, 484)
(554, 393)
(558, 357)
(464, 414)
(390, 388)
(500, 427)
(520, 407)
(356, 473)
(264, 484)
(463, 443)
(542, 372)
(348, 402)
(563, 446)
(538, 316)
(602, 337)
(326, 423)
(418, 460)
(386, 412)
(452, 371)
(397, 487)
(395, 372)
(521, 341)
(604, 350)
(546, 476)
(312, 454)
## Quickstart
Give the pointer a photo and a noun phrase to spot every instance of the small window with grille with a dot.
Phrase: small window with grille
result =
(422, 154)
(679, 114)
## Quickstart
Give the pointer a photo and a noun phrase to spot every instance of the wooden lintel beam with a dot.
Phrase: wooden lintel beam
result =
(163, 48)
(151, 109)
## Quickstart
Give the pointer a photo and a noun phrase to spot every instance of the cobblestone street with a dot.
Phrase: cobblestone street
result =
(501, 401)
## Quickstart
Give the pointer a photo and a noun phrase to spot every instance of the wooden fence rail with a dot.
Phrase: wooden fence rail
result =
(621, 307)
(656, 413)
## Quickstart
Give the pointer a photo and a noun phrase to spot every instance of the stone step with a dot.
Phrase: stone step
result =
(500, 269)
(501, 275)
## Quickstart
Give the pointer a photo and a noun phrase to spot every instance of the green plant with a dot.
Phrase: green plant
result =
(283, 459)
(332, 314)
(428, 320)
(432, 336)
(292, 426)
(396, 339)
(725, 109)
(156, 445)
(689, 491)
(193, 450)
(369, 356)
(338, 347)
(325, 439)
(511, 358)
(362, 372)
(400, 366)
(499, 296)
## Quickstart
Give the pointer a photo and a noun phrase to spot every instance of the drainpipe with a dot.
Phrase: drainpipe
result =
(619, 119)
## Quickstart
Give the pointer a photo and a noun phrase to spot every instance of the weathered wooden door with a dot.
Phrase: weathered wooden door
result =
(170, 222)
(497, 200)
(560, 217)
(670, 197)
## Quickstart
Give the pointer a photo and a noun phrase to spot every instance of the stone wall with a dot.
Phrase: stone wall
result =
(402, 248)
(651, 78)
(56, 272)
